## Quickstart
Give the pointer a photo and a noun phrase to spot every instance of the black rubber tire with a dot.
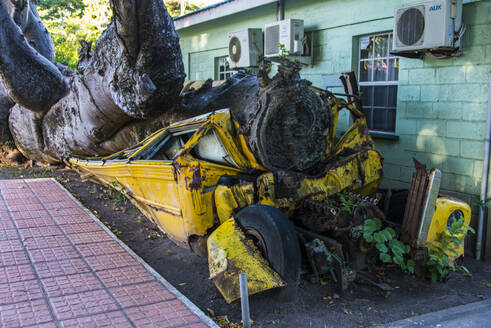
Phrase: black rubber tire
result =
(280, 239)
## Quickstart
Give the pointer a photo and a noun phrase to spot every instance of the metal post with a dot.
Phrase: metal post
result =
(280, 10)
(484, 183)
(244, 301)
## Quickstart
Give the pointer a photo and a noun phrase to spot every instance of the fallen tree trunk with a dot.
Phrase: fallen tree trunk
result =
(129, 86)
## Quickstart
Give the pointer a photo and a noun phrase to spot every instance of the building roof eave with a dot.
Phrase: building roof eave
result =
(218, 10)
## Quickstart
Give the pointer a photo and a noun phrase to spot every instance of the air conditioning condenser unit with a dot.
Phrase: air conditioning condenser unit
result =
(245, 48)
(284, 38)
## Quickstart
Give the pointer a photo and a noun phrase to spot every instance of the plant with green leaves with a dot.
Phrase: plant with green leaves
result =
(439, 262)
(390, 250)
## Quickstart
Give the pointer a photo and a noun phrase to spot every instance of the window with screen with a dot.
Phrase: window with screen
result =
(378, 76)
(223, 68)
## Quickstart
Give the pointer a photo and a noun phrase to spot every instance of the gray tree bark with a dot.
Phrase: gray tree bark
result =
(129, 86)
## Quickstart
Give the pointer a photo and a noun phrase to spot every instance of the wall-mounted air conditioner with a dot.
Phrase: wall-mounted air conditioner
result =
(289, 33)
(428, 25)
(245, 48)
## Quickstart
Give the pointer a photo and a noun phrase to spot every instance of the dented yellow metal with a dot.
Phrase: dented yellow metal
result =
(231, 253)
(183, 195)
(442, 217)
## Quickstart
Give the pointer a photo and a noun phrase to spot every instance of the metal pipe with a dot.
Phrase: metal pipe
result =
(244, 301)
(484, 183)
(280, 10)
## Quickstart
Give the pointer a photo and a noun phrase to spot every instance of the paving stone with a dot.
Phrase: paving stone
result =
(25, 314)
(11, 245)
(90, 237)
(34, 222)
(102, 248)
(104, 262)
(6, 225)
(25, 207)
(17, 273)
(20, 292)
(13, 258)
(50, 230)
(111, 319)
(30, 215)
(67, 211)
(81, 228)
(60, 268)
(46, 242)
(163, 314)
(72, 219)
(53, 254)
(141, 294)
(8, 234)
(82, 304)
(71, 284)
(125, 276)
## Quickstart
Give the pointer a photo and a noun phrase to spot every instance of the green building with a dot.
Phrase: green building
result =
(432, 109)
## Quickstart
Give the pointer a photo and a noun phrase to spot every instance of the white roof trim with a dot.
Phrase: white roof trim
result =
(217, 11)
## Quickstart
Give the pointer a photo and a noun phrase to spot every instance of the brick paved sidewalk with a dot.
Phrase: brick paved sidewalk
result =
(60, 267)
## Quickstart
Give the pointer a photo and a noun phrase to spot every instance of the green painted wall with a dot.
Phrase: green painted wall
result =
(442, 103)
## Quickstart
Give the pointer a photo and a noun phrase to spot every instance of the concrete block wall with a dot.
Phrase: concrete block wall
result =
(442, 103)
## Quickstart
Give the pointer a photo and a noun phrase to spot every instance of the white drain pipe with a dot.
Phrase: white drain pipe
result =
(484, 183)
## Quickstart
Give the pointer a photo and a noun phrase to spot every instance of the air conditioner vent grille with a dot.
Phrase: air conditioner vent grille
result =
(273, 40)
(234, 49)
(410, 27)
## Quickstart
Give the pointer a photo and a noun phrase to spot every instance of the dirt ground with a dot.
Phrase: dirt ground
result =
(317, 305)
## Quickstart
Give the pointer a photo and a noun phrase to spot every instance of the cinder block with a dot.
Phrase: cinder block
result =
(403, 76)
(474, 111)
(422, 76)
(406, 63)
(466, 92)
(445, 146)
(472, 149)
(419, 110)
(459, 165)
(408, 93)
(431, 127)
(466, 130)
(448, 110)
(453, 182)
(405, 126)
(478, 73)
(392, 171)
(450, 75)
(478, 166)
(430, 93)
(479, 34)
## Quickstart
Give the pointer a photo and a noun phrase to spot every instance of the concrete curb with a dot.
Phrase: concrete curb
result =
(471, 315)
(190, 305)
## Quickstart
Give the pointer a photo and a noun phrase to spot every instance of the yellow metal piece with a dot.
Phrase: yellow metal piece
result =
(231, 253)
(445, 206)
(232, 199)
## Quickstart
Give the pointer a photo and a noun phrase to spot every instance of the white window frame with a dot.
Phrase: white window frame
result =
(227, 71)
(371, 81)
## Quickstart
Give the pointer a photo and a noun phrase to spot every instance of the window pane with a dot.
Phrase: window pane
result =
(381, 96)
(366, 47)
(394, 69)
(392, 96)
(366, 96)
(381, 70)
(368, 114)
(381, 46)
(366, 71)
(384, 119)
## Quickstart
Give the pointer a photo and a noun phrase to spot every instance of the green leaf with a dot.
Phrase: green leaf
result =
(410, 265)
(381, 247)
(384, 257)
(372, 225)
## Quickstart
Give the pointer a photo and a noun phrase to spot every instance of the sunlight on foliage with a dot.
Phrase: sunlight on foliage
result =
(70, 21)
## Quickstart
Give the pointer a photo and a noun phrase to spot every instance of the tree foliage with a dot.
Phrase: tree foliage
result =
(70, 21)
(174, 7)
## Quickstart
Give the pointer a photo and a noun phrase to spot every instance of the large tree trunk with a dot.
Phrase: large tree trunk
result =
(129, 86)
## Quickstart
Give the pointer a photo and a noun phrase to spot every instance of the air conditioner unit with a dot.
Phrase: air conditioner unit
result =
(427, 25)
(289, 33)
(245, 48)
